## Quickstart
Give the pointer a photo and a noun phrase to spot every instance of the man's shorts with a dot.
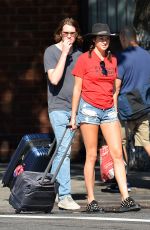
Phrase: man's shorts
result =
(91, 115)
(140, 128)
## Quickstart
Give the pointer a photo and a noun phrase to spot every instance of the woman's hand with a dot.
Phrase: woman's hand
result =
(72, 124)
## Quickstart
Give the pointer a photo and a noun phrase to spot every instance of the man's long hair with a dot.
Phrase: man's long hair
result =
(70, 22)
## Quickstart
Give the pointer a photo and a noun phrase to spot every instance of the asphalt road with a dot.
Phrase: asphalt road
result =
(65, 220)
(74, 221)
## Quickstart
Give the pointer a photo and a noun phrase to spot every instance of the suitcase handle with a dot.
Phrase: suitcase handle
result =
(55, 152)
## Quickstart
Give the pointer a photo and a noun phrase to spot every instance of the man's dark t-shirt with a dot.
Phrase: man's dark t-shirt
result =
(60, 96)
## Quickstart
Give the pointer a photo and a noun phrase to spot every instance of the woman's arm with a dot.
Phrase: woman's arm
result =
(75, 100)
(116, 91)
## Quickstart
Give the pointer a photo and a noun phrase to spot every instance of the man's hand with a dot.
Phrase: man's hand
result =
(66, 46)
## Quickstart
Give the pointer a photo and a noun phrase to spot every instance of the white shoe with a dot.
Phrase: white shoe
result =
(68, 203)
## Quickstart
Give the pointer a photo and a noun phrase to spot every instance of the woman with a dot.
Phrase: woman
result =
(95, 73)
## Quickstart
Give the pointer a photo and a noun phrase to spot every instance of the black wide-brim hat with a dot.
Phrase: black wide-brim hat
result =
(100, 29)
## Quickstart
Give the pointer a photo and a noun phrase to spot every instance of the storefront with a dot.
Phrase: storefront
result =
(117, 13)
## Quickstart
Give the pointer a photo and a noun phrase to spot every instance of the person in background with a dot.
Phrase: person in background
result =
(59, 60)
(134, 76)
(95, 73)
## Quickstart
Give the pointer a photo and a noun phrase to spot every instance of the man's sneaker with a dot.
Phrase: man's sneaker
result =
(129, 205)
(68, 203)
(94, 207)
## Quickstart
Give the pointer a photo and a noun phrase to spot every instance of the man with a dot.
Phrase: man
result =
(133, 88)
(59, 59)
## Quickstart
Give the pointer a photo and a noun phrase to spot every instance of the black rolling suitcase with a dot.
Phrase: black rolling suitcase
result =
(32, 152)
(35, 191)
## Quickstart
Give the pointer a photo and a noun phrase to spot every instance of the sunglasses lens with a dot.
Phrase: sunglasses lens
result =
(104, 70)
(102, 64)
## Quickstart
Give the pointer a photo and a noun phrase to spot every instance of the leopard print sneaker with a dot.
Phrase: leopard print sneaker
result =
(128, 205)
(94, 207)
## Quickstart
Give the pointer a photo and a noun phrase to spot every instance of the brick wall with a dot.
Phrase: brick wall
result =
(26, 29)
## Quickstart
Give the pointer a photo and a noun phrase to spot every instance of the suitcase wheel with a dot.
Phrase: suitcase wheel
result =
(17, 211)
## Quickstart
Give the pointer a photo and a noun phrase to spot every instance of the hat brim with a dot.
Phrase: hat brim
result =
(100, 34)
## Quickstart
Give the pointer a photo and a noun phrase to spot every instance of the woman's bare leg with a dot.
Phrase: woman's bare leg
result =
(112, 134)
(90, 138)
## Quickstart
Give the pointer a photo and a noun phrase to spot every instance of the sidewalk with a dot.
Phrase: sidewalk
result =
(140, 182)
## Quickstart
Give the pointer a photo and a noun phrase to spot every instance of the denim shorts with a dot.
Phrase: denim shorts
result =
(92, 115)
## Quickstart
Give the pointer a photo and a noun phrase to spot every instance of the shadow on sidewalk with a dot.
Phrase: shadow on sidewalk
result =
(138, 179)
(79, 196)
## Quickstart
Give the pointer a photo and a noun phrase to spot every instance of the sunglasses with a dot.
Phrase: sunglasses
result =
(65, 34)
(104, 70)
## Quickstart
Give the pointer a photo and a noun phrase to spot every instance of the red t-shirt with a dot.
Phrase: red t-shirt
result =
(97, 88)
